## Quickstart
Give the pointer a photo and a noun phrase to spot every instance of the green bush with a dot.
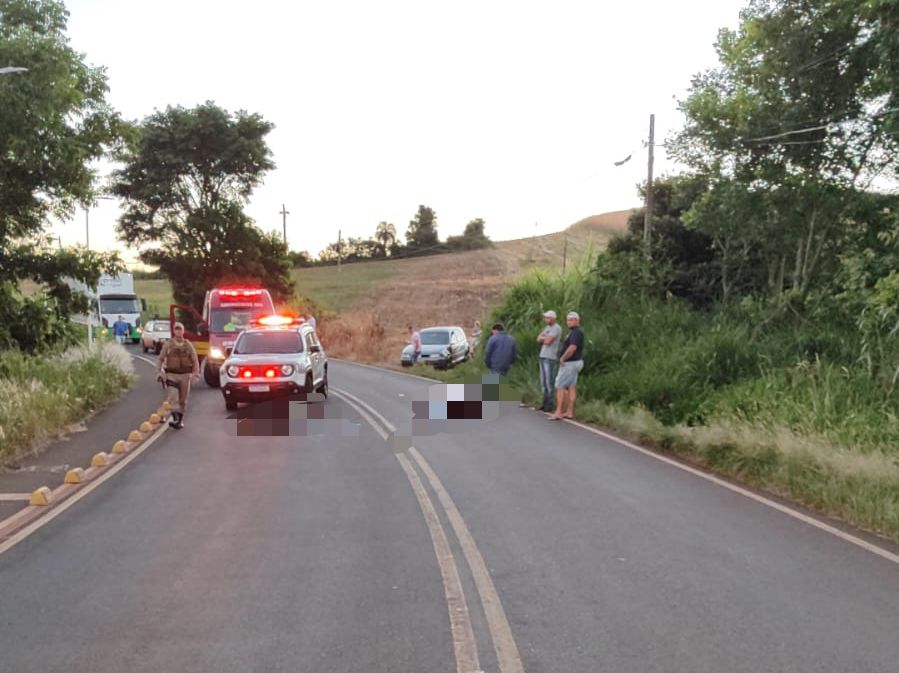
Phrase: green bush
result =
(40, 396)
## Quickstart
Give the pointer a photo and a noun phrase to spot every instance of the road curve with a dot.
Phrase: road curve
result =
(218, 551)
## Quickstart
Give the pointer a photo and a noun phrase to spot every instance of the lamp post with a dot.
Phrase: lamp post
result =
(87, 244)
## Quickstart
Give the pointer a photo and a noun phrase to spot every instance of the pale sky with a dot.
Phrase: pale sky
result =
(509, 111)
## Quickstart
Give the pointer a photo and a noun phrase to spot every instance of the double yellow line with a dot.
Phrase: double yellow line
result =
(464, 642)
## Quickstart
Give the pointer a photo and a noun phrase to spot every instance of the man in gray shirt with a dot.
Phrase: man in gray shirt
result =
(549, 356)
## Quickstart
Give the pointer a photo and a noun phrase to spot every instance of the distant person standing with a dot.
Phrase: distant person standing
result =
(501, 351)
(310, 320)
(570, 365)
(415, 341)
(549, 340)
(121, 330)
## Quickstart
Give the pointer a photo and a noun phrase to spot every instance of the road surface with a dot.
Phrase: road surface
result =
(516, 545)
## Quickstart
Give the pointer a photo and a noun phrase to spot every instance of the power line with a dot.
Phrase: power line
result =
(820, 127)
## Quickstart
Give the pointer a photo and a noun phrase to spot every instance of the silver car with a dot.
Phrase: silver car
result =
(269, 362)
(154, 334)
(442, 347)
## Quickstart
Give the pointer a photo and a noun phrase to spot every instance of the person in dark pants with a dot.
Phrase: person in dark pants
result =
(501, 351)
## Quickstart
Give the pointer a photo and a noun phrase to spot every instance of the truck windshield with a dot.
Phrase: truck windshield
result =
(120, 305)
(231, 319)
(269, 342)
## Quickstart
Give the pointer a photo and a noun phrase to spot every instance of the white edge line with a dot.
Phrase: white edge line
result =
(789, 511)
(78, 495)
(384, 369)
(143, 359)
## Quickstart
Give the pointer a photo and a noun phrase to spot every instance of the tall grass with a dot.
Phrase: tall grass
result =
(41, 396)
(782, 404)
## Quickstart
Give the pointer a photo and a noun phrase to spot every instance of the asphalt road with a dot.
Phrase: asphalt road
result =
(339, 550)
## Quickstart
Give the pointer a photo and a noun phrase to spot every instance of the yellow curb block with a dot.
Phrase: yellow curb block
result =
(155, 419)
(100, 460)
(146, 427)
(74, 476)
(167, 406)
(135, 436)
(41, 496)
(119, 447)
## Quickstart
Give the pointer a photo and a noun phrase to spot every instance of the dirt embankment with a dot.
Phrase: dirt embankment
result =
(453, 289)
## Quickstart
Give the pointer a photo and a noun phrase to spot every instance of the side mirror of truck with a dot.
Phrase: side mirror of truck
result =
(202, 329)
(228, 351)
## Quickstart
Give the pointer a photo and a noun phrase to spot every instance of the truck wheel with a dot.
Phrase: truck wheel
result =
(211, 376)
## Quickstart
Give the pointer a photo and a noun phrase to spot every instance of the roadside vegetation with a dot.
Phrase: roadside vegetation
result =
(756, 330)
(42, 396)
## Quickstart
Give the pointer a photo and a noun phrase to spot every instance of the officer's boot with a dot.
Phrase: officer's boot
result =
(176, 420)
(180, 419)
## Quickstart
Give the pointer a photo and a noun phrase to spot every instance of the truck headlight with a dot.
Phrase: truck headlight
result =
(233, 371)
(286, 370)
(216, 354)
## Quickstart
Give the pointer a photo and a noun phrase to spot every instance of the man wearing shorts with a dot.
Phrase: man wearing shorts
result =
(570, 364)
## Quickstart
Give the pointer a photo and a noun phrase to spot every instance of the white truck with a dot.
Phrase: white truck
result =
(113, 297)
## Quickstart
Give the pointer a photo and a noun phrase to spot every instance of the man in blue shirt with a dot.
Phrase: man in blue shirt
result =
(120, 329)
(501, 351)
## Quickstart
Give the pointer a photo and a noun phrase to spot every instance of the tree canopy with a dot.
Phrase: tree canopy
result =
(185, 181)
(55, 122)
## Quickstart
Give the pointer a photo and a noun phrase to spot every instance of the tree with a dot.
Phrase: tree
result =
(55, 121)
(422, 230)
(473, 238)
(790, 128)
(185, 182)
(385, 235)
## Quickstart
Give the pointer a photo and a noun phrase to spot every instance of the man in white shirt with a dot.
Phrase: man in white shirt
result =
(549, 356)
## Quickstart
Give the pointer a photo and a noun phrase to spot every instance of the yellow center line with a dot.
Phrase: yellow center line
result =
(464, 645)
(503, 642)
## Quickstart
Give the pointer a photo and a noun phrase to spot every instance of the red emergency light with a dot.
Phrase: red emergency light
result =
(241, 292)
(277, 321)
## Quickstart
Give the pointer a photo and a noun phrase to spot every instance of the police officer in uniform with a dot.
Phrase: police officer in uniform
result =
(178, 366)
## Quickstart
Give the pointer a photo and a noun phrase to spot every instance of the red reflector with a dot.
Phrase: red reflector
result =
(269, 373)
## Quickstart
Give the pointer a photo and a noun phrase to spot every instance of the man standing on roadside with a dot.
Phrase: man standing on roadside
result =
(549, 355)
(570, 365)
(501, 351)
(415, 340)
(177, 367)
(120, 329)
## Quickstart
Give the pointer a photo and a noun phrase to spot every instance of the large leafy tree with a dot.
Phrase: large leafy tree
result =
(422, 230)
(185, 182)
(790, 129)
(54, 122)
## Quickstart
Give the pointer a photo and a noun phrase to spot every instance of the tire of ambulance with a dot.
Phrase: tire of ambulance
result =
(230, 405)
(211, 376)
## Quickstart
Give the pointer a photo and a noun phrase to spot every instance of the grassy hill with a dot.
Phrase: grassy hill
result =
(369, 304)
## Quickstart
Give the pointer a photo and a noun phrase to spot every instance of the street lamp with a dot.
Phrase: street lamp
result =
(87, 244)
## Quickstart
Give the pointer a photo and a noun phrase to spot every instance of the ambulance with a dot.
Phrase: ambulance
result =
(227, 311)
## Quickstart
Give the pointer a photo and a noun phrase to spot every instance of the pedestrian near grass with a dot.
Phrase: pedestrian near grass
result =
(549, 340)
(415, 340)
(501, 351)
(570, 364)
(178, 366)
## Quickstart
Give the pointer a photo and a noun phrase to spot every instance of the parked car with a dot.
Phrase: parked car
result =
(440, 346)
(154, 334)
(277, 358)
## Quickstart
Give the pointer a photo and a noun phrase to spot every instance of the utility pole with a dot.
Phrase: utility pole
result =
(87, 228)
(565, 253)
(284, 214)
(647, 214)
(90, 307)
(339, 246)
